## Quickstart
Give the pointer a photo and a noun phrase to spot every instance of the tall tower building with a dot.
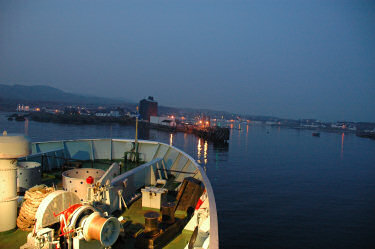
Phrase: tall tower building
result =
(148, 107)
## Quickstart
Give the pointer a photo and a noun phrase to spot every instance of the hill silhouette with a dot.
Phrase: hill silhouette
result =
(41, 93)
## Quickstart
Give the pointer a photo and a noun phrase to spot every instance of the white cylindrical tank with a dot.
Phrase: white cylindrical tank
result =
(11, 148)
(29, 174)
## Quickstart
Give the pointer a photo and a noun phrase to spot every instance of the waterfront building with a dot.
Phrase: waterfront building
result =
(166, 121)
(148, 107)
(23, 108)
(115, 113)
(102, 114)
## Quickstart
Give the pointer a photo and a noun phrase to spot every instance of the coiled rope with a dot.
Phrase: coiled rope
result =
(33, 198)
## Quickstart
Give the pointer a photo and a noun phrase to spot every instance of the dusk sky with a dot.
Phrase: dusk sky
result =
(292, 59)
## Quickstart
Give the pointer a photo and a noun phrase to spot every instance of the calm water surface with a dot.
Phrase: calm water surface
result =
(274, 188)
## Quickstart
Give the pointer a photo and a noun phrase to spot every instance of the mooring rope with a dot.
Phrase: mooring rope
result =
(33, 198)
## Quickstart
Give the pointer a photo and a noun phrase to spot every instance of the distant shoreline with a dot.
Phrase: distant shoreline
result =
(215, 134)
(79, 119)
(95, 120)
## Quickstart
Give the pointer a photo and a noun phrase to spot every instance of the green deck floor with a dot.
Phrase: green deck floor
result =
(135, 216)
(13, 239)
(180, 241)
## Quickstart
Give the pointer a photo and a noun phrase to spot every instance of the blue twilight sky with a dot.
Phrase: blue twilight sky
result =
(294, 59)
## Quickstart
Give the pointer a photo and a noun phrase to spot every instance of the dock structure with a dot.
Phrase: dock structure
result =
(215, 133)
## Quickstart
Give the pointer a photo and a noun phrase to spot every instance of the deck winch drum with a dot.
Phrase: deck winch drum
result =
(75, 180)
(105, 230)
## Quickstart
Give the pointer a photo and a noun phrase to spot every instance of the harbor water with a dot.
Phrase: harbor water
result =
(274, 187)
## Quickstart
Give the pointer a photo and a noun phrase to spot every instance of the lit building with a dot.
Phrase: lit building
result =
(102, 114)
(23, 108)
(115, 113)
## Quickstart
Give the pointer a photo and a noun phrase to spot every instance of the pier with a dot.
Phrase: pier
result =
(215, 133)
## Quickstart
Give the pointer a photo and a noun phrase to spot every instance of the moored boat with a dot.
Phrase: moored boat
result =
(20, 118)
(316, 134)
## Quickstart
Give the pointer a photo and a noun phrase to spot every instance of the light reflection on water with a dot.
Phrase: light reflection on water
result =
(205, 151)
(171, 139)
(342, 145)
(26, 130)
(199, 149)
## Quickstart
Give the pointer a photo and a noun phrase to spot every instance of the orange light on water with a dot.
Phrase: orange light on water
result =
(171, 139)
(199, 148)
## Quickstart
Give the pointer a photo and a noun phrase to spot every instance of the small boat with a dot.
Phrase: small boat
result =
(316, 134)
(10, 119)
(20, 118)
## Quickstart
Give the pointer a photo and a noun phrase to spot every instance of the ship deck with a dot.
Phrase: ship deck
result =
(133, 215)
